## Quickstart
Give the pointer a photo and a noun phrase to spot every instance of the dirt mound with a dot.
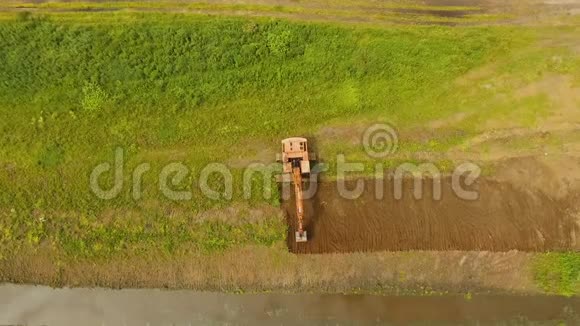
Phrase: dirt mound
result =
(502, 218)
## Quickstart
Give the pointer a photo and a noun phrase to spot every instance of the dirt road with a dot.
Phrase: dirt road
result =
(31, 305)
(444, 12)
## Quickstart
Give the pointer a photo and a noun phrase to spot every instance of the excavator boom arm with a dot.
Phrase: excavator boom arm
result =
(297, 180)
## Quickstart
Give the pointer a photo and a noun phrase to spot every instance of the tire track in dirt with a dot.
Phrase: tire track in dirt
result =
(502, 218)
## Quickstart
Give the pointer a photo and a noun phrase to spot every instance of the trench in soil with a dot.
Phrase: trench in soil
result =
(501, 219)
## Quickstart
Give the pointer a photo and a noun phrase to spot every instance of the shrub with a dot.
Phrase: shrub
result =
(93, 97)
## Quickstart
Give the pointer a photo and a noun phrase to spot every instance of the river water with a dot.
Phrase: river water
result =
(37, 305)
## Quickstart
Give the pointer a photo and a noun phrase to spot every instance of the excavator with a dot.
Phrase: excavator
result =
(296, 162)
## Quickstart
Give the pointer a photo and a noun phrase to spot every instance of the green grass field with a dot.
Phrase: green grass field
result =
(193, 89)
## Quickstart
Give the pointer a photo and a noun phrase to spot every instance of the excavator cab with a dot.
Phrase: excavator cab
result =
(296, 162)
(295, 153)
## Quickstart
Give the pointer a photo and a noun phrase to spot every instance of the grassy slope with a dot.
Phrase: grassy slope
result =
(169, 88)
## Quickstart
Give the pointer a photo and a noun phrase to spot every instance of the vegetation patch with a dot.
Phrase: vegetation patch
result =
(558, 273)
(117, 234)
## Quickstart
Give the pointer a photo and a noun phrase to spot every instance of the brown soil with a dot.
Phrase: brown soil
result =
(503, 218)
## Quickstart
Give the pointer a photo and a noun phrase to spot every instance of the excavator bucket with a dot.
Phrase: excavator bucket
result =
(301, 237)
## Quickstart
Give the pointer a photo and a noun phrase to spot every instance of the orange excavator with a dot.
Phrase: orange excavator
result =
(296, 161)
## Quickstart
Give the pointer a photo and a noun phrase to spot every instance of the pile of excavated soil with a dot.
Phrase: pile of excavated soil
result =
(502, 218)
